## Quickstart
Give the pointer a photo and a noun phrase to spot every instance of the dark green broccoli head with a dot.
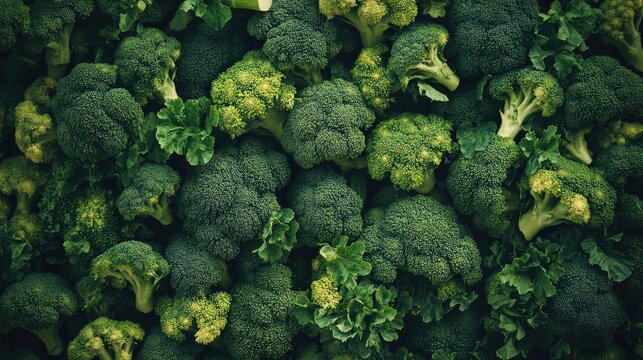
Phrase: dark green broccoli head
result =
(39, 303)
(325, 206)
(327, 124)
(227, 201)
(158, 346)
(620, 163)
(23, 179)
(105, 338)
(479, 186)
(147, 63)
(490, 37)
(629, 211)
(422, 236)
(14, 22)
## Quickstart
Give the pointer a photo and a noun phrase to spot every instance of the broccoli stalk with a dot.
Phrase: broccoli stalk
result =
(57, 53)
(435, 68)
(576, 145)
(256, 5)
(370, 35)
(51, 338)
(621, 27)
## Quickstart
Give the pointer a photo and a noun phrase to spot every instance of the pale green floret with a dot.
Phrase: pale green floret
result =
(325, 293)
(106, 339)
(373, 79)
(22, 178)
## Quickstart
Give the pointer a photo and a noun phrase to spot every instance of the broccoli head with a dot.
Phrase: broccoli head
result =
(621, 29)
(22, 178)
(39, 302)
(327, 124)
(97, 298)
(105, 338)
(14, 22)
(373, 78)
(409, 147)
(158, 346)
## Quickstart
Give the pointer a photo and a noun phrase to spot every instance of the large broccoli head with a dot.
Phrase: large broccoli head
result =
(14, 22)
(227, 201)
(107, 339)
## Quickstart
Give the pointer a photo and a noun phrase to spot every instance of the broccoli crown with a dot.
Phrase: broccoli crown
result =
(22, 178)
(373, 79)
(227, 201)
(409, 147)
(632, 246)
(601, 92)
(261, 323)
(206, 316)
(96, 121)
(105, 338)
(467, 105)
(620, 163)
(422, 236)
(14, 21)
(252, 93)
(193, 271)
(327, 124)
(149, 194)
(146, 64)
(490, 37)
(585, 308)
(478, 186)
(48, 19)
(297, 36)
(158, 346)
(325, 206)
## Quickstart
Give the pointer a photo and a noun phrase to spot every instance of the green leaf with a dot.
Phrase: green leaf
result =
(344, 262)
(617, 266)
(430, 92)
(278, 235)
(435, 8)
(473, 139)
(540, 150)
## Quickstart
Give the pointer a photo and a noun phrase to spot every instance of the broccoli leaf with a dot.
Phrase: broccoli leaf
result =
(540, 151)
(435, 8)
(613, 262)
(430, 92)
(475, 138)
(344, 262)
(213, 12)
(278, 235)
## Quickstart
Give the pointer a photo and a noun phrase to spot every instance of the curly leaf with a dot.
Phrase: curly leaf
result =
(473, 139)
(540, 151)
(618, 268)
(344, 262)
(278, 235)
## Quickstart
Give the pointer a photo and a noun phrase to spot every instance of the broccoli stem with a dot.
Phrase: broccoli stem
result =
(630, 46)
(167, 90)
(125, 352)
(256, 5)
(352, 164)
(274, 123)
(428, 184)
(104, 354)
(23, 204)
(546, 212)
(518, 107)
(577, 147)
(358, 181)
(163, 214)
(143, 290)
(432, 67)
(51, 338)
(226, 280)
(181, 20)
(370, 35)
(512, 200)
(308, 77)
(57, 53)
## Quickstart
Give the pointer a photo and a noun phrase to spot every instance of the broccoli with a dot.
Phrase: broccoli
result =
(51, 23)
(135, 264)
(216, 14)
(96, 298)
(325, 206)
(629, 211)
(14, 22)
(227, 201)
(490, 37)
(601, 92)
(327, 124)
(617, 133)
(632, 246)
(193, 272)
(22, 178)
(39, 302)
(158, 346)
(297, 38)
(422, 236)
(409, 147)
(621, 29)
(371, 18)
(252, 94)
(36, 134)
(481, 186)
(206, 316)
(469, 105)
(261, 322)
(124, 14)
(23, 240)
(95, 119)
(525, 92)
(149, 194)
(567, 191)
(106, 339)
(147, 64)
(373, 78)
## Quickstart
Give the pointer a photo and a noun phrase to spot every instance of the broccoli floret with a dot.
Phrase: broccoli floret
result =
(468, 105)
(206, 316)
(327, 124)
(147, 64)
(135, 264)
(22, 178)
(158, 346)
(620, 163)
(23, 240)
(227, 201)
(601, 92)
(252, 94)
(409, 147)
(150, 193)
(480, 186)
(325, 206)
(14, 22)
(490, 37)
(95, 119)
(39, 302)
(422, 236)
(297, 38)
(567, 191)
(621, 28)
(371, 18)
(629, 211)
(96, 297)
(617, 133)
(51, 23)
(373, 78)
(261, 323)
(526, 92)
(105, 339)
(194, 272)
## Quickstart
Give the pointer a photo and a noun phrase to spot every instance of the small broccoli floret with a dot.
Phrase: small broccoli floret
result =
(621, 28)
(371, 18)
(14, 22)
(135, 264)
(252, 94)
(96, 298)
(525, 92)
(417, 55)
(106, 339)
(150, 193)
(422, 236)
(409, 147)
(147, 64)
(95, 119)
(325, 206)
(39, 302)
(373, 78)
(620, 163)
(51, 23)
(158, 346)
(22, 178)
(567, 191)
(617, 133)
(206, 316)
(327, 124)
